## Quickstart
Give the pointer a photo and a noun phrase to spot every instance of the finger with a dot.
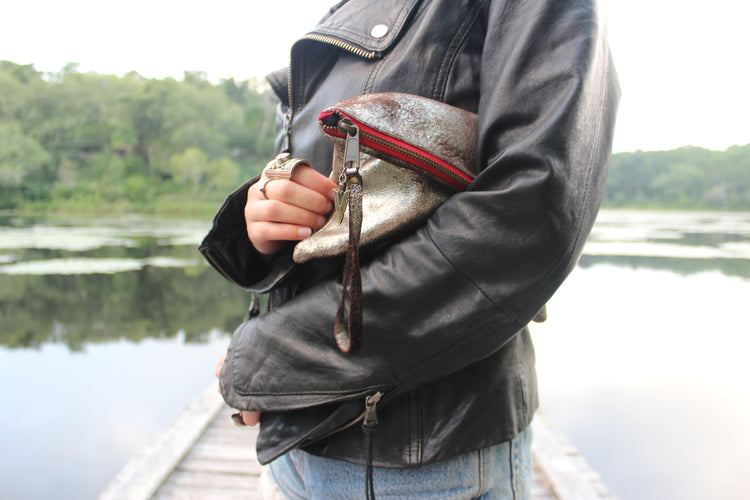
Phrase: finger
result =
(291, 193)
(250, 417)
(312, 179)
(284, 213)
(274, 232)
(219, 365)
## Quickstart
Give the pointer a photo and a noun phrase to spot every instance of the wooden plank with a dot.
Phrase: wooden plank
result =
(193, 480)
(202, 456)
(143, 475)
(220, 466)
(221, 435)
(179, 493)
(567, 472)
(208, 450)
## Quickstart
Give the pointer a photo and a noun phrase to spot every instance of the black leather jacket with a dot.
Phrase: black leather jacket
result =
(445, 338)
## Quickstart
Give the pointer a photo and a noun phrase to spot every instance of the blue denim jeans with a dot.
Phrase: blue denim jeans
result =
(500, 472)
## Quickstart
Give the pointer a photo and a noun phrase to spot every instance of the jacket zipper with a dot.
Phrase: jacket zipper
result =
(370, 416)
(369, 413)
(369, 424)
(286, 144)
(366, 54)
(393, 147)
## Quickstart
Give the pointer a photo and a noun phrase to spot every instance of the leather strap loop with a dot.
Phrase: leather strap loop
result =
(282, 167)
(348, 325)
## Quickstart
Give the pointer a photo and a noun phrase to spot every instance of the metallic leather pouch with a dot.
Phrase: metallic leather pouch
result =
(397, 158)
(412, 154)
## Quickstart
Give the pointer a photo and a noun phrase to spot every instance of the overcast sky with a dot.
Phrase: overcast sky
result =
(682, 64)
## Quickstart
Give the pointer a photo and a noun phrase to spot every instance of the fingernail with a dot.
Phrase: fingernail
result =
(321, 221)
(304, 232)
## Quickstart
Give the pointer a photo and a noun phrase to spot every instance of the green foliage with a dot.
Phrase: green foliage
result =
(193, 168)
(23, 162)
(99, 141)
(70, 139)
(685, 178)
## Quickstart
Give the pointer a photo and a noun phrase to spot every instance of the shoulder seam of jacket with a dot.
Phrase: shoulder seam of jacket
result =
(459, 38)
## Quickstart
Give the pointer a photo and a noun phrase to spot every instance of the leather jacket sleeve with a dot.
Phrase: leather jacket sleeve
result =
(486, 262)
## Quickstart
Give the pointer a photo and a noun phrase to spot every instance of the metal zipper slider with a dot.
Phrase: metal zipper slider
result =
(371, 415)
(351, 146)
(350, 172)
(253, 309)
(286, 141)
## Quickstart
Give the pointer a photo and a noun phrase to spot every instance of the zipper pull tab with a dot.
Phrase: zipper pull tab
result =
(350, 172)
(369, 423)
(341, 197)
(286, 140)
(371, 414)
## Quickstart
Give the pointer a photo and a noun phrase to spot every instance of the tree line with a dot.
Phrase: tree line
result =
(71, 139)
(84, 139)
(683, 178)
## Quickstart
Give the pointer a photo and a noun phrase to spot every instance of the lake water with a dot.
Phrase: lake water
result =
(109, 327)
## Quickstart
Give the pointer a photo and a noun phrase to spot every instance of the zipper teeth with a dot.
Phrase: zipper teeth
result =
(413, 154)
(367, 54)
(405, 151)
(290, 107)
(344, 427)
(355, 421)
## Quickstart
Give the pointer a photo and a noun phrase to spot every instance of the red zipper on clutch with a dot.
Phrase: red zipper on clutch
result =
(329, 122)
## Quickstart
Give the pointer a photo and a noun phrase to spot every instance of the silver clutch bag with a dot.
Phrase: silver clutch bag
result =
(411, 154)
(397, 158)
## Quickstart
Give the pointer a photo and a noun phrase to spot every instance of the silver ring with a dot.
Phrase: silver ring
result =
(263, 188)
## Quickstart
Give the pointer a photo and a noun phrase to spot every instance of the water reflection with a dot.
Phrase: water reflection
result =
(150, 302)
(108, 328)
(74, 418)
(645, 370)
(132, 280)
(727, 267)
(116, 324)
(682, 242)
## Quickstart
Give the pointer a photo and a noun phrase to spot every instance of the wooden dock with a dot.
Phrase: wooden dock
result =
(203, 456)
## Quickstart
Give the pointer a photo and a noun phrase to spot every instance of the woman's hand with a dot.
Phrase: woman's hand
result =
(290, 210)
(248, 417)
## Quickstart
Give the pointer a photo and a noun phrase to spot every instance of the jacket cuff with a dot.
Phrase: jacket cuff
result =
(227, 248)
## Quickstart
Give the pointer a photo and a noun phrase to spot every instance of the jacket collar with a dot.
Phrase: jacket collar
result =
(369, 26)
